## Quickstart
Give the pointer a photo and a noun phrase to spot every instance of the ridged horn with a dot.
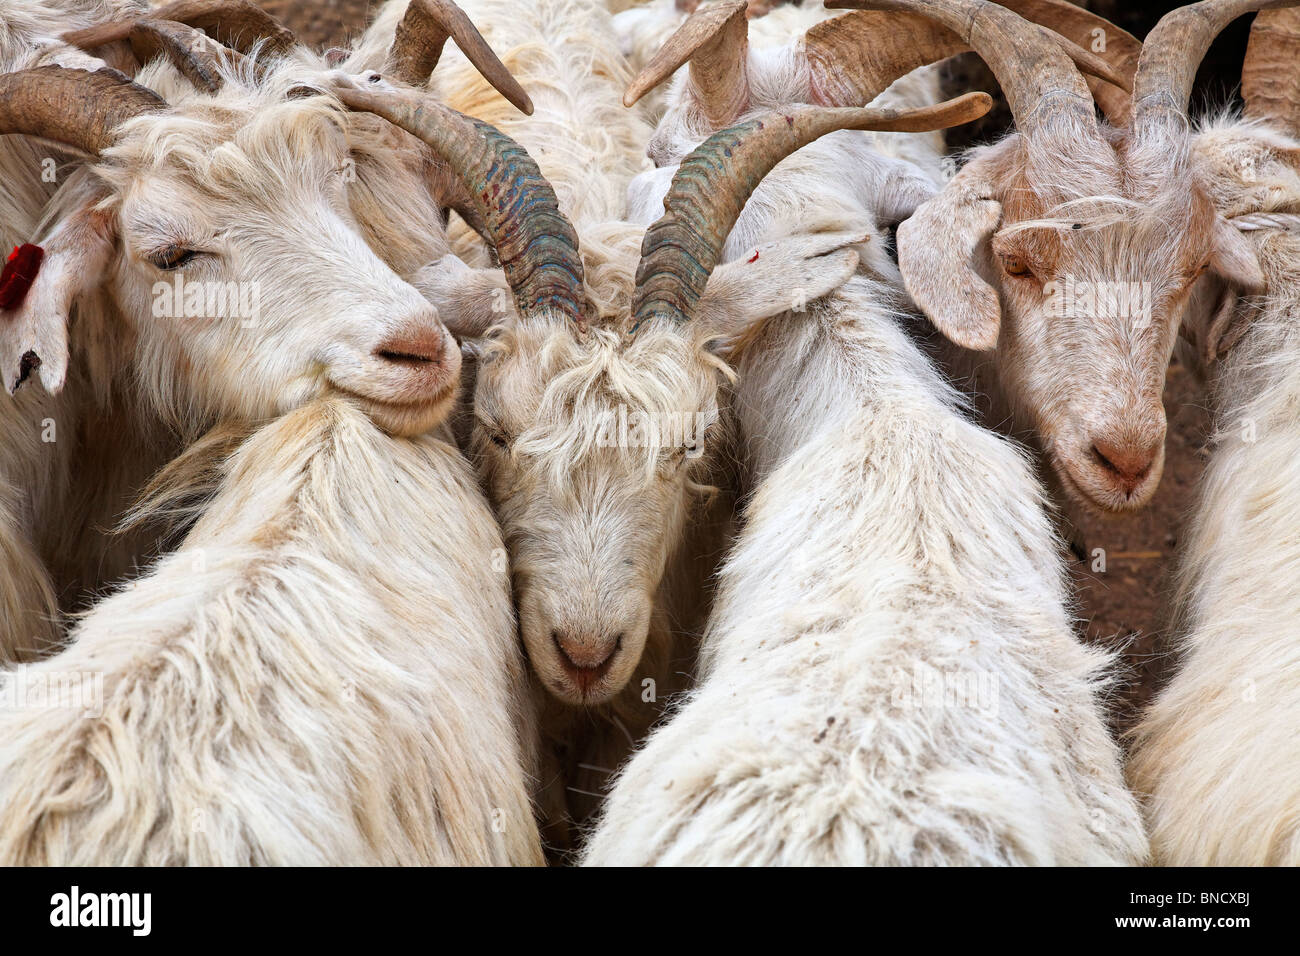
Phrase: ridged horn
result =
(238, 24)
(191, 51)
(1270, 75)
(1120, 49)
(1171, 54)
(421, 35)
(714, 182)
(715, 41)
(76, 107)
(1039, 80)
(534, 242)
(851, 59)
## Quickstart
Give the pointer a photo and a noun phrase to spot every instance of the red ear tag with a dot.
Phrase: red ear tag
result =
(19, 273)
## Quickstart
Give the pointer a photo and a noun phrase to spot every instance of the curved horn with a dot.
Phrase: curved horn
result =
(715, 41)
(424, 31)
(190, 50)
(238, 24)
(1041, 85)
(1171, 55)
(713, 184)
(75, 107)
(1119, 48)
(1270, 79)
(534, 242)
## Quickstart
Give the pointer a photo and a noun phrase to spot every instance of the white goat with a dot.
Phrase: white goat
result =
(324, 673)
(1216, 755)
(269, 207)
(38, 431)
(889, 675)
(642, 576)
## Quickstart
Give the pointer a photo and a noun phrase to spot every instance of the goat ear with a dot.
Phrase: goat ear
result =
(902, 190)
(937, 252)
(34, 331)
(777, 277)
(1218, 312)
(1216, 318)
(1233, 258)
(469, 301)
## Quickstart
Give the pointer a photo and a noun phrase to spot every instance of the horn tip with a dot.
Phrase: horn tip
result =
(519, 99)
(638, 88)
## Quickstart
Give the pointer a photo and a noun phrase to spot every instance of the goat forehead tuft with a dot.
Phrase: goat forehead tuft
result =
(562, 393)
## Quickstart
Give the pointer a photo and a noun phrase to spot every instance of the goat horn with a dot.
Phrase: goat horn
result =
(190, 50)
(1171, 55)
(1270, 82)
(238, 24)
(421, 35)
(714, 182)
(534, 242)
(1120, 49)
(715, 41)
(76, 107)
(1041, 84)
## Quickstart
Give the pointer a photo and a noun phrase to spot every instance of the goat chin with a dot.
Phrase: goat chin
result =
(329, 650)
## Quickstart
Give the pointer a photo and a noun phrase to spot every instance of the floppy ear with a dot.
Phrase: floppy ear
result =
(777, 277)
(1216, 318)
(469, 301)
(34, 330)
(1219, 310)
(902, 190)
(1233, 258)
(938, 250)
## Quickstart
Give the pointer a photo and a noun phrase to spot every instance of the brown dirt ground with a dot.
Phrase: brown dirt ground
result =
(1125, 607)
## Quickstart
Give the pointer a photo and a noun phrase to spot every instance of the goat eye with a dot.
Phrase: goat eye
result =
(1013, 266)
(173, 257)
(498, 439)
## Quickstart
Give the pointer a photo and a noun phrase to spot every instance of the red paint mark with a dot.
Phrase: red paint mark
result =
(19, 273)
(754, 257)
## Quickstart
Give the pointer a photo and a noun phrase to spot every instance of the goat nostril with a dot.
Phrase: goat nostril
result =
(585, 661)
(1128, 463)
(424, 347)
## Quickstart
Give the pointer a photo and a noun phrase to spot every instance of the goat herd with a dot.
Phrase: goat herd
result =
(545, 447)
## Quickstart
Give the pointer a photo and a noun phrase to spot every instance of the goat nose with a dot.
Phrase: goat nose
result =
(1127, 462)
(419, 345)
(586, 659)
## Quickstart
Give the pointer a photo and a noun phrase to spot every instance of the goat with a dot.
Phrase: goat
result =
(598, 521)
(1057, 261)
(325, 672)
(1215, 755)
(889, 674)
(241, 189)
(30, 426)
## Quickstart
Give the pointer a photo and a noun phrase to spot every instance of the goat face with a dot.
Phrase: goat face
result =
(266, 208)
(594, 444)
(228, 244)
(1076, 269)
(592, 447)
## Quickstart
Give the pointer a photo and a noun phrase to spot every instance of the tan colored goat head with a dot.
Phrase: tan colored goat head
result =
(1070, 248)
